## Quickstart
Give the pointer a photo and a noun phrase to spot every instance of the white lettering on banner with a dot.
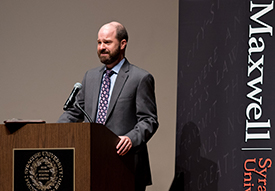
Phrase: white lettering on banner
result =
(256, 128)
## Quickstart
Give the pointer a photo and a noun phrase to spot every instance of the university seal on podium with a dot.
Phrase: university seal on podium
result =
(43, 169)
(43, 172)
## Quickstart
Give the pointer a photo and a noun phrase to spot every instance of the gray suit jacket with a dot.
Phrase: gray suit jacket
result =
(132, 110)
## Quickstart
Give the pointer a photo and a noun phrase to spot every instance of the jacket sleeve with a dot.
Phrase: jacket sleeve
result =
(146, 112)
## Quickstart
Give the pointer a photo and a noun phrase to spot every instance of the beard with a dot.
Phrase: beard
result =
(111, 58)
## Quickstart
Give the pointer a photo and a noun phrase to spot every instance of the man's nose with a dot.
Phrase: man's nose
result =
(102, 46)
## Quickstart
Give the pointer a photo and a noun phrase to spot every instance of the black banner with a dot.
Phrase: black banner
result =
(226, 91)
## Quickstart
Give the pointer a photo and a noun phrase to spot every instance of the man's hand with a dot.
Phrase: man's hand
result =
(124, 145)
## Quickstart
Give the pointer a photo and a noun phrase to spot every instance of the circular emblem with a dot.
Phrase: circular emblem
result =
(43, 172)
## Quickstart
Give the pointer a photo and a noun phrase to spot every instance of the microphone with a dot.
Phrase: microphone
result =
(70, 101)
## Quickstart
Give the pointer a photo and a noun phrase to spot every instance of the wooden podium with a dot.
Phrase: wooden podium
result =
(97, 166)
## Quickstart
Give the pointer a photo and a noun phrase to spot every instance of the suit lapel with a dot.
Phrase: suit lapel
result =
(95, 91)
(119, 84)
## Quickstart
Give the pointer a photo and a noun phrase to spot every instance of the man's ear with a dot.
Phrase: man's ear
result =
(123, 44)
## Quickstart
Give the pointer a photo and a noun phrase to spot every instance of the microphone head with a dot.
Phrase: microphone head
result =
(78, 85)
(70, 101)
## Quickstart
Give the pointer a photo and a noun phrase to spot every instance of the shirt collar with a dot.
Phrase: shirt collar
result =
(117, 67)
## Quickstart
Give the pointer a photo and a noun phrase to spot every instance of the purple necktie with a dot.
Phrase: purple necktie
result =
(103, 103)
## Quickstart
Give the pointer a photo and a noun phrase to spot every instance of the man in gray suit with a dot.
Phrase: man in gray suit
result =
(132, 112)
